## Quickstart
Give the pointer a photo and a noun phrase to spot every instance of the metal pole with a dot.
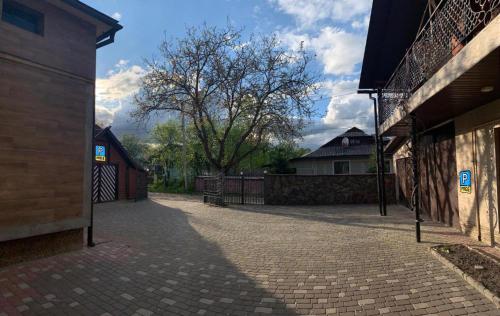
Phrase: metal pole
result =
(416, 176)
(242, 187)
(377, 140)
(90, 229)
(382, 164)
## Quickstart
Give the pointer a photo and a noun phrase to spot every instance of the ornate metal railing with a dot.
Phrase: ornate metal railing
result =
(451, 26)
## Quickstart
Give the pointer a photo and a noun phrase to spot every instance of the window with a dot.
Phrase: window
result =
(341, 167)
(23, 17)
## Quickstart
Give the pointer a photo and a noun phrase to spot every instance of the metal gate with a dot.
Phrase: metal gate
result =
(237, 190)
(105, 186)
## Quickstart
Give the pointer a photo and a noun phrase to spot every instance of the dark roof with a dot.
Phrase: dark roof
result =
(106, 133)
(393, 28)
(334, 147)
(339, 151)
(353, 132)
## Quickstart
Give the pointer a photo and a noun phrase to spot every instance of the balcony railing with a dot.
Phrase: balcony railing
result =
(449, 28)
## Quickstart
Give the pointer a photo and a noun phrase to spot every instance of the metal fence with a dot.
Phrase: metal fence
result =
(451, 26)
(233, 190)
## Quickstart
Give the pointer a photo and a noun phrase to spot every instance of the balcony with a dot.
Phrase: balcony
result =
(451, 26)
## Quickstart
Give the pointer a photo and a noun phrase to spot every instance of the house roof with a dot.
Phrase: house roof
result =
(334, 147)
(106, 133)
(340, 151)
(393, 28)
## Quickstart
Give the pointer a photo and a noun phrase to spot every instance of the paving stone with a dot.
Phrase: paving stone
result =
(168, 301)
(263, 310)
(177, 256)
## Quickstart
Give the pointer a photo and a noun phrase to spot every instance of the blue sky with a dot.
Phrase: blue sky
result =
(333, 30)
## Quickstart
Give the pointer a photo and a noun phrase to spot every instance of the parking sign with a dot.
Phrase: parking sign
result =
(100, 153)
(465, 181)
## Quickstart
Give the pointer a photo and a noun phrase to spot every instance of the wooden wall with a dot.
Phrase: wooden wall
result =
(46, 101)
(68, 43)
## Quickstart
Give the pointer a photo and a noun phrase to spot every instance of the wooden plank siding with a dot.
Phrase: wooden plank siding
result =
(68, 43)
(46, 101)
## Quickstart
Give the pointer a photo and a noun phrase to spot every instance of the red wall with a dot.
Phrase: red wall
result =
(125, 190)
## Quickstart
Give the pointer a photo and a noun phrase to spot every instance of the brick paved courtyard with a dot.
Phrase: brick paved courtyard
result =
(173, 256)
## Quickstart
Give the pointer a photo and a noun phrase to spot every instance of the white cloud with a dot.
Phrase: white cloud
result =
(117, 16)
(361, 24)
(307, 12)
(339, 51)
(117, 88)
(347, 108)
(105, 115)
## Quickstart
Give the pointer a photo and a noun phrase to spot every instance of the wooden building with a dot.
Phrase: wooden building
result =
(116, 175)
(47, 84)
(435, 67)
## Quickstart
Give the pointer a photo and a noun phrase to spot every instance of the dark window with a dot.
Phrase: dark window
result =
(341, 167)
(22, 16)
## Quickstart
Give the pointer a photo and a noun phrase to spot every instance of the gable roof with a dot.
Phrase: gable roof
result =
(106, 133)
(335, 149)
(340, 151)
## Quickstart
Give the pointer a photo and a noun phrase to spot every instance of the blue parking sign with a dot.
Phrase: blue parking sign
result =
(100, 153)
(465, 181)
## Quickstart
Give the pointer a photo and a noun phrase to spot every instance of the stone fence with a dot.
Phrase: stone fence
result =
(325, 190)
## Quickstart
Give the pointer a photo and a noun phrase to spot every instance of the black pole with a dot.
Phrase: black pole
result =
(377, 140)
(382, 164)
(414, 154)
(90, 229)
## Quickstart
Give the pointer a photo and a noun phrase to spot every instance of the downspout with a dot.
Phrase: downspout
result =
(103, 40)
(90, 229)
(377, 140)
(382, 163)
(476, 183)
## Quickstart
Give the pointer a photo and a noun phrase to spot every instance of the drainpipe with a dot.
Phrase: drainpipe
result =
(382, 163)
(476, 184)
(90, 229)
(377, 144)
(416, 176)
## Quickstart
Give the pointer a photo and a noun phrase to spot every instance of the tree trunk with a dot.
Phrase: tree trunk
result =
(221, 178)
(184, 152)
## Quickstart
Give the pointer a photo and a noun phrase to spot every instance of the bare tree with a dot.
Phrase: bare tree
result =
(236, 94)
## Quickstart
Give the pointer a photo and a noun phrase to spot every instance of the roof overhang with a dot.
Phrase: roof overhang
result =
(393, 27)
(106, 26)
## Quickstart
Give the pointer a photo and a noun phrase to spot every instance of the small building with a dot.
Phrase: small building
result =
(435, 70)
(47, 84)
(352, 152)
(116, 175)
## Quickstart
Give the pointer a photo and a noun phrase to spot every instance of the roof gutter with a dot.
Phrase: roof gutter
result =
(108, 37)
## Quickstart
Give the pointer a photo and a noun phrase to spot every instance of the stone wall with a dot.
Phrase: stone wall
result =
(325, 190)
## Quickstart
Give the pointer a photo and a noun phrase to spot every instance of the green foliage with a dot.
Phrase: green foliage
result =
(135, 147)
(173, 186)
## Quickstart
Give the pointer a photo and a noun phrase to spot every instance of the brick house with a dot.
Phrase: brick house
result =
(349, 153)
(47, 84)
(435, 69)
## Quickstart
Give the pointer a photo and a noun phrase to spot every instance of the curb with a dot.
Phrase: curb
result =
(478, 286)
